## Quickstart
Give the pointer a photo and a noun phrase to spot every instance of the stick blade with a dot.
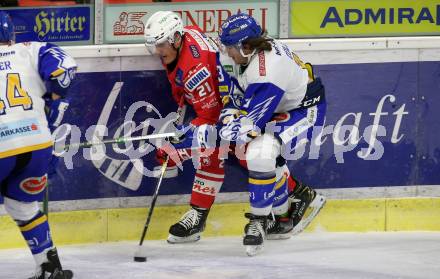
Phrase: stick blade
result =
(140, 255)
(140, 259)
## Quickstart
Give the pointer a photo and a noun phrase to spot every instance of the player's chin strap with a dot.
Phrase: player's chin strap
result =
(248, 56)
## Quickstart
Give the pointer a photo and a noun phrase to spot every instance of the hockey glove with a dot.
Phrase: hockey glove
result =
(171, 170)
(162, 155)
(239, 130)
(195, 137)
(51, 170)
(56, 110)
(228, 115)
(176, 158)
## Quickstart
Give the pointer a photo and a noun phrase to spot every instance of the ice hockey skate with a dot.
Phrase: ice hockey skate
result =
(52, 268)
(305, 205)
(279, 227)
(190, 226)
(255, 232)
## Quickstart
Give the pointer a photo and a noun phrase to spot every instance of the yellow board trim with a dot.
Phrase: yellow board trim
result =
(25, 149)
(367, 215)
(262, 181)
(34, 223)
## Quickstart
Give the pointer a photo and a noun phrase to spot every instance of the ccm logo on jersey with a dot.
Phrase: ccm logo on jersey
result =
(34, 185)
(196, 79)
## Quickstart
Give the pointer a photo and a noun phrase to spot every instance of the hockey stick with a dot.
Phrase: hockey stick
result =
(140, 255)
(118, 140)
(46, 200)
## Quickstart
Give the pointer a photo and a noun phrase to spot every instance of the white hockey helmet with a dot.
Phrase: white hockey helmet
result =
(161, 27)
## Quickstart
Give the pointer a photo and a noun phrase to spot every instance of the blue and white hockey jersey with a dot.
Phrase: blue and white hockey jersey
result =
(24, 70)
(273, 82)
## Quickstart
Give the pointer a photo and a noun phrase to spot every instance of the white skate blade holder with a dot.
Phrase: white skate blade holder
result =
(172, 239)
(253, 250)
(280, 236)
(314, 208)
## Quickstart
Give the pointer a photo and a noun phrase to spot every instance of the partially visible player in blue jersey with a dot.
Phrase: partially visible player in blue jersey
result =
(29, 73)
(281, 103)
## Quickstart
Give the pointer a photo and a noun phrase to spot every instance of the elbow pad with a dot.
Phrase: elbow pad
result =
(60, 84)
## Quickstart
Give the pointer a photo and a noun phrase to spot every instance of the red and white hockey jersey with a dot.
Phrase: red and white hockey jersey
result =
(195, 76)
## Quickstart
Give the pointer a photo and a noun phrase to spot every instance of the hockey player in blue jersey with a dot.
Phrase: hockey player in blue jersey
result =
(281, 102)
(30, 73)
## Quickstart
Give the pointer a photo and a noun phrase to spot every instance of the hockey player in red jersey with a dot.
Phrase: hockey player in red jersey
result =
(190, 60)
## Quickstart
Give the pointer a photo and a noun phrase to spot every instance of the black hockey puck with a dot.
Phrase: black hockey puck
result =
(140, 259)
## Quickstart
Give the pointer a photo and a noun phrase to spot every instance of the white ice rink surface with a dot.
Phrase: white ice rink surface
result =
(309, 255)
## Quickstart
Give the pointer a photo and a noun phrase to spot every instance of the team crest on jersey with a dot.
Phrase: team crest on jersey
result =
(195, 53)
(179, 77)
(205, 161)
(34, 185)
(197, 78)
(260, 109)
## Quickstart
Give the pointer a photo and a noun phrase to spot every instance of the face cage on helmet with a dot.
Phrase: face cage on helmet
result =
(239, 47)
(169, 40)
(152, 48)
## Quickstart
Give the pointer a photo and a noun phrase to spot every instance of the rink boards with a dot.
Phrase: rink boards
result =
(393, 89)
(101, 225)
(368, 82)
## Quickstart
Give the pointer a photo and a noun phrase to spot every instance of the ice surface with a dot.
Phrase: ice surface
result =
(309, 255)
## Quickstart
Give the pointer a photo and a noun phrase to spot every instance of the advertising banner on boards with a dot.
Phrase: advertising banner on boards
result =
(125, 23)
(61, 25)
(353, 18)
(379, 131)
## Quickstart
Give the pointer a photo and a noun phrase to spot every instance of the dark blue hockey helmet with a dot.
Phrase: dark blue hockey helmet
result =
(6, 28)
(237, 28)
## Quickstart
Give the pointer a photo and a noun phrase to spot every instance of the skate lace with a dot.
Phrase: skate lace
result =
(190, 219)
(255, 228)
(271, 224)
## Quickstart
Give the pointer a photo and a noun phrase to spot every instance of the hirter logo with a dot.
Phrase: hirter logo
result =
(34, 185)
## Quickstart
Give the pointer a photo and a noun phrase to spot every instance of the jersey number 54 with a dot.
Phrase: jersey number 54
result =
(15, 94)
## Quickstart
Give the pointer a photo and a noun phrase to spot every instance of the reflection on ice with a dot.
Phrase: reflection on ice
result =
(309, 255)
